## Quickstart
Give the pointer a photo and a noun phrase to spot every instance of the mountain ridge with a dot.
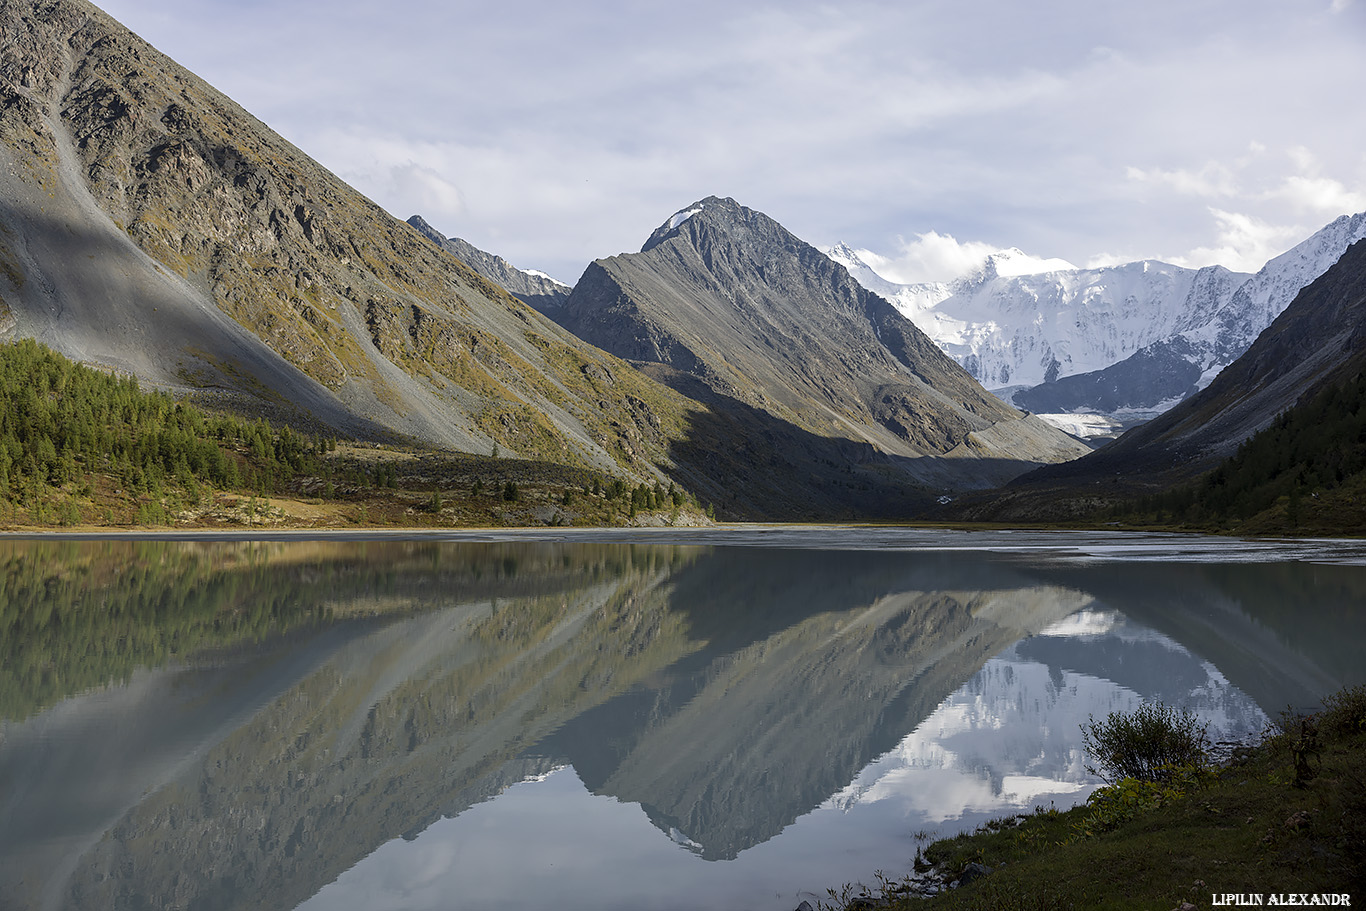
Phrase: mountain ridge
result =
(1096, 340)
(536, 289)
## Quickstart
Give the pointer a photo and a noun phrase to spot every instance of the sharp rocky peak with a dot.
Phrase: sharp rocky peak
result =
(711, 215)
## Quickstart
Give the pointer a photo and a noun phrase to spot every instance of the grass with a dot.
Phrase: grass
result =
(1287, 815)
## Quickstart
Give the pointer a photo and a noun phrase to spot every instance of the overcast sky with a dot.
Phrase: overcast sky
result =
(552, 134)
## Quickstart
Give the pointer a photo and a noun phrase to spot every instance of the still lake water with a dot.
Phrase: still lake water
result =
(719, 719)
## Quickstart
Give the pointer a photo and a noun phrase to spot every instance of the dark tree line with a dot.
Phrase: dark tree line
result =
(1316, 447)
(62, 422)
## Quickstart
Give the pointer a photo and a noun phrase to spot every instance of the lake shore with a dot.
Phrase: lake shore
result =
(1282, 818)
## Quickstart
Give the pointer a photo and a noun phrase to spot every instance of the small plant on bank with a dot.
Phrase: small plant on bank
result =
(1153, 743)
(1110, 806)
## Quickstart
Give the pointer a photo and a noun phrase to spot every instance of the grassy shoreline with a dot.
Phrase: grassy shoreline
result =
(1284, 816)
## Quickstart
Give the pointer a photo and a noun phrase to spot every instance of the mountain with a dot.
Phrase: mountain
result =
(1010, 328)
(1153, 377)
(151, 226)
(1317, 342)
(535, 288)
(1126, 341)
(726, 305)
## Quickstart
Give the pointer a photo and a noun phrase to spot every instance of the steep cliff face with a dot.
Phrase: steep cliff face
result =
(149, 224)
(724, 302)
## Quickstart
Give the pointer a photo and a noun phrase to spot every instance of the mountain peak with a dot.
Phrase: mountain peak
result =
(1013, 261)
(715, 211)
(725, 302)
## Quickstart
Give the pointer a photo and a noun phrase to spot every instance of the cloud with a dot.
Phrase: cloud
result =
(935, 257)
(1213, 179)
(1321, 195)
(929, 257)
(554, 134)
(1263, 201)
(426, 190)
(1244, 243)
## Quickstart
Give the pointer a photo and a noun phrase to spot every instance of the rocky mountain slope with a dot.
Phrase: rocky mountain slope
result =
(150, 225)
(535, 288)
(1127, 341)
(1319, 340)
(726, 305)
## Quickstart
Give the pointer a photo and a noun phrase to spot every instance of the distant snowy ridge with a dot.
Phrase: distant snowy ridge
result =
(1108, 333)
(1009, 328)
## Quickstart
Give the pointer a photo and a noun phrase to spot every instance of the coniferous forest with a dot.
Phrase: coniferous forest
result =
(1305, 473)
(69, 433)
(79, 446)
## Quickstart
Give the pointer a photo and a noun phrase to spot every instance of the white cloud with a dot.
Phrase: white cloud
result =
(1244, 243)
(1213, 179)
(929, 257)
(1266, 202)
(560, 133)
(935, 257)
(425, 190)
(1321, 195)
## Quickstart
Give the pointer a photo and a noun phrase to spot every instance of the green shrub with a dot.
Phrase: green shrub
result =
(1111, 806)
(1150, 743)
(1344, 712)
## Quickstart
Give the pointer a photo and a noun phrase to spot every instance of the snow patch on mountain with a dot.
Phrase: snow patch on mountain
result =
(1085, 426)
(680, 217)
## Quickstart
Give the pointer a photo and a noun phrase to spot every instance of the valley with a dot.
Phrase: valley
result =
(345, 564)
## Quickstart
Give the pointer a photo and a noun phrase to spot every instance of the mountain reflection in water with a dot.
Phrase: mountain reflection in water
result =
(391, 724)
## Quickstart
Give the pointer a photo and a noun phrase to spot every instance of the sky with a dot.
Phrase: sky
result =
(928, 132)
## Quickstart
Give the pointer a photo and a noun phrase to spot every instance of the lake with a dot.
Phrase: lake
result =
(733, 718)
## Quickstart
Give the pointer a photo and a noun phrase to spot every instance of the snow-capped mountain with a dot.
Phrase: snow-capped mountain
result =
(1126, 341)
(1010, 328)
(1266, 295)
